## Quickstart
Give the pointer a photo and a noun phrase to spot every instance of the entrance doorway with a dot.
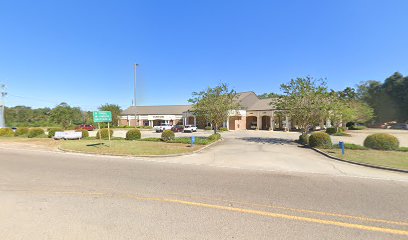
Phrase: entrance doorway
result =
(266, 122)
(251, 123)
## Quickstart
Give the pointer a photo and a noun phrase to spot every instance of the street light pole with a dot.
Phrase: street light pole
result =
(134, 90)
(3, 94)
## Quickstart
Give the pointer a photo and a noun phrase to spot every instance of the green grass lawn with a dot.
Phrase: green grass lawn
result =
(123, 147)
(390, 159)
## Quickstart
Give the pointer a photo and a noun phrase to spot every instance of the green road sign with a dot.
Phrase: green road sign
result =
(102, 116)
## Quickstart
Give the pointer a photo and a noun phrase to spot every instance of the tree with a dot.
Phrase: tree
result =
(269, 95)
(214, 104)
(306, 101)
(389, 99)
(65, 115)
(116, 111)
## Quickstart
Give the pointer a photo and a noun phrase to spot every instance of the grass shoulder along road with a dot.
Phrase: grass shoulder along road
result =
(118, 146)
(124, 147)
(388, 159)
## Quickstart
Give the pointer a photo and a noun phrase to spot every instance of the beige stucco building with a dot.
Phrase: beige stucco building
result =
(255, 114)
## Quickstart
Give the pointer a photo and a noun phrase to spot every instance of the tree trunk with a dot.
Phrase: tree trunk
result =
(215, 129)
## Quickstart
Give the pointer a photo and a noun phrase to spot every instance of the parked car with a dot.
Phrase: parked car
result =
(86, 127)
(14, 129)
(177, 128)
(253, 125)
(190, 128)
(162, 127)
(400, 126)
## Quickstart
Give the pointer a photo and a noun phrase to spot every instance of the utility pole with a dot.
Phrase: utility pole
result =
(134, 90)
(3, 94)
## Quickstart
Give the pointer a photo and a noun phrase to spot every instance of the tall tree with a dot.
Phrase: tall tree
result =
(116, 111)
(306, 101)
(214, 104)
(65, 115)
(269, 95)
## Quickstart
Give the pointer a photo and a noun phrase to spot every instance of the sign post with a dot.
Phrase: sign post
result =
(341, 145)
(103, 116)
(192, 141)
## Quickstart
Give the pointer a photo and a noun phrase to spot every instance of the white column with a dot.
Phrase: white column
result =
(151, 123)
(286, 123)
(228, 123)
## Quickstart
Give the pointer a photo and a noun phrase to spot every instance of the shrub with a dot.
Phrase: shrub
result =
(133, 134)
(342, 134)
(187, 140)
(403, 149)
(331, 130)
(223, 129)
(381, 141)
(167, 135)
(85, 132)
(35, 132)
(352, 146)
(304, 139)
(21, 131)
(320, 139)
(208, 128)
(104, 133)
(353, 127)
(51, 131)
(151, 139)
(214, 137)
(342, 129)
(6, 132)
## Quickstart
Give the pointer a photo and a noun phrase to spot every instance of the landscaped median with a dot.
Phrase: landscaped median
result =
(128, 148)
(379, 150)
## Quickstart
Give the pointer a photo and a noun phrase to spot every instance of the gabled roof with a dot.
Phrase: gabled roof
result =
(152, 110)
(263, 104)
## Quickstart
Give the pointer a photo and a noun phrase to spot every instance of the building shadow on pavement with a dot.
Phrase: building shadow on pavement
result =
(277, 141)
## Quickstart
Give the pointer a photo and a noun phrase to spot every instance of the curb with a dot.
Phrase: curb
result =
(140, 156)
(357, 163)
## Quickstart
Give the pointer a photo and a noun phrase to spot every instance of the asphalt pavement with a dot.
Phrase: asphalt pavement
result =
(52, 195)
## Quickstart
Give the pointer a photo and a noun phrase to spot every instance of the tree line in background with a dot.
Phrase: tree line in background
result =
(62, 115)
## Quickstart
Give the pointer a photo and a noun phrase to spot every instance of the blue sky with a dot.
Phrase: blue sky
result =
(82, 52)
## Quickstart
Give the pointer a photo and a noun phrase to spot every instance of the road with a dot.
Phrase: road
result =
(51, 195)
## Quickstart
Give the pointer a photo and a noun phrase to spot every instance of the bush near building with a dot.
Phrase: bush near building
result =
(6, 132)
(51, 131)
(331, 130)
(21, 131)
(214, 137)
(35, 132)
(381, 141)
(167, 135)
(304, 139)
(85, 132)
(133, 134)
(223, 129)
(104, 133)
(320, 139)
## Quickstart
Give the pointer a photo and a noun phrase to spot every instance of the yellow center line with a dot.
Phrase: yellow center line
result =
(276, 215)
(231, 209)
(362, 218)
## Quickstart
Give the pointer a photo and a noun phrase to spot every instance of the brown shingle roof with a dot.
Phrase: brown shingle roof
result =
(150, 110)
(263, 104)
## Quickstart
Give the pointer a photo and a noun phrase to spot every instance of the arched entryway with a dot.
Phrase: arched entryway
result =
(266, 122)
(251, 122)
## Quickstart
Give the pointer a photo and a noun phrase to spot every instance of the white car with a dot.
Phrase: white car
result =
(190, 128)
(162, 127)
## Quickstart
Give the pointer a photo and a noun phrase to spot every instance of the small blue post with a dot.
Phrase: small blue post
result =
(192, 140)
(341, 144)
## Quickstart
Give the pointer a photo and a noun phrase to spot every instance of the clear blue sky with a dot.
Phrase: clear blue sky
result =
(82, 52)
